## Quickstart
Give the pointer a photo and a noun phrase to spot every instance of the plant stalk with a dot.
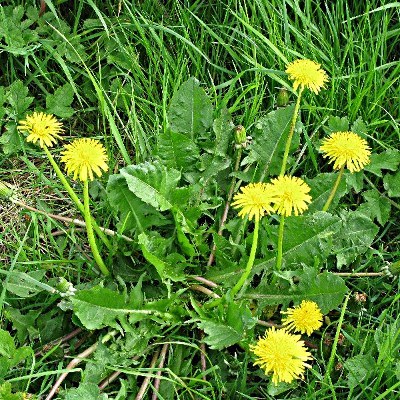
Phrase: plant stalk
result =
(334, 189)
(279, 255)
(90, 233)
(250, 262)
(74, 197)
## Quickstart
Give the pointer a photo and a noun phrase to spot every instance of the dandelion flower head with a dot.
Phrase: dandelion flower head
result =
(305, 318)
(307, 73)
(283, 354)
(254, 200)
(346, 149)
(291, 194)
(82, 157)
(41, 127)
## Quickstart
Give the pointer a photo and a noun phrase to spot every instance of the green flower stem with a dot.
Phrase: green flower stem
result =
(75, 198)
(279, 256)
(250, 262)
(333, 191)
(291, 131)
(331, 361)
(89, 228)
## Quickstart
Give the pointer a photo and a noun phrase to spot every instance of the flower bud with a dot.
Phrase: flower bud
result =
(282, 99)
(392, 269)
(240, 135)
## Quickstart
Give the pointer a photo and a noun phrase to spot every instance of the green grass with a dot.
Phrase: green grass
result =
(124, 69)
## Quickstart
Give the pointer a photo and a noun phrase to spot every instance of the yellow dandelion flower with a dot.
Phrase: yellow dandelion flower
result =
(83, 157)
(254, 201)
(41, 127)
(307, 73)
(305, 318)
(290, 194)
(283, 354)
(346, 149)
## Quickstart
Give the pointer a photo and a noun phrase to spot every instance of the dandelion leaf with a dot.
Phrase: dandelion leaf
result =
(314, 243)
(100, 307)
(134, 214)
(59, 103)
(177, 150)
(87, 391)
(222, 128)
(219, 335)
(321, 187)
(358, 368)
(154, 249)
(269, 139)
(190, 111)
(354, 238)
(326, 289)
(392, 184)
(337, 124)
(388, 160)
(152, 183)
(375, 206)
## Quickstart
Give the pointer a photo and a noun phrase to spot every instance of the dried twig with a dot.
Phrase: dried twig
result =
(59, 341)
(68, 220)
(204, 290)
(160, 365)
(77, 360)
(205, 281)
(146, 380)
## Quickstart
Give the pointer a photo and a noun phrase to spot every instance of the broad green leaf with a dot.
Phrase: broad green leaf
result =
(10, 355)
(269, 141)
(391, 183)
(307, 238)
(354, 238)
(100, 307)
(326, 289)
(222, 128)
(388, 160)
(24, 324)
(60, 102)
(219, 334)
(337, 124)
(321, 187)
(152, 183)
(313, 244)
(134, 213)
(11, 139)
(7, 346)
(20, 286)
(239, 317)
(186, 247)
(190, 111)
(375, 206)
(17, 97)
(358, 368)
(177, 150)
(211, 167)
(359, 127)
(154, 249)
(87, 391)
